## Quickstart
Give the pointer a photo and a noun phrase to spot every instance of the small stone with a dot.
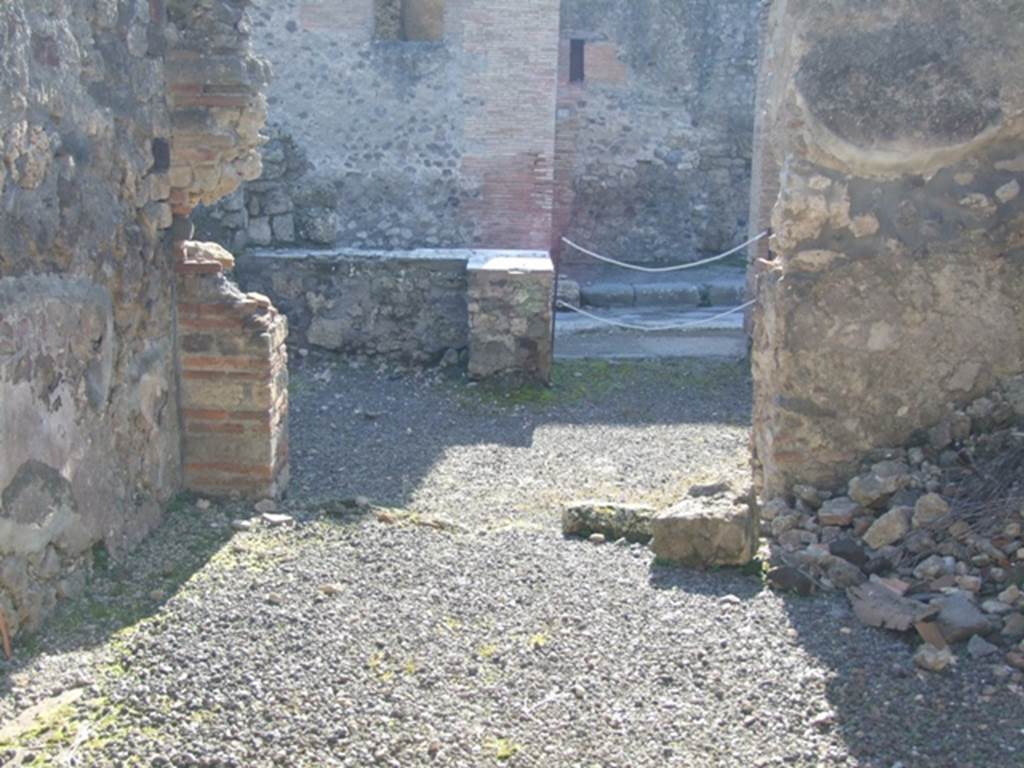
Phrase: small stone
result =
(996, 607)
(842, 573)
(849, 549)
(774, 509)
(1015, 659)
(942, 583)
(157, 595)
(933, 659)
(933, 567)
(1011, 595)
(824, 721)
(276, 520)
(889, 528)
(241, 525)
(797, 539)
(790, 579)
(809, 495)
(978, 647)
(1008, 191)
(929, 509)
(784, 523)
(1013, 626)
(872, 490)
(275, 598)
(959, 529)
(332, 589)
(266, 506)
(203, 504)
(597, 538)
(959, 618)
(969, 583)
(839, 512)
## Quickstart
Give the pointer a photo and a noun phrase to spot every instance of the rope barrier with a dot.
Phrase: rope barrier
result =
(675, 268)
(664, 327)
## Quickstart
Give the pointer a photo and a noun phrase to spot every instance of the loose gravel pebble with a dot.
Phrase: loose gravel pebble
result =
(343, 640)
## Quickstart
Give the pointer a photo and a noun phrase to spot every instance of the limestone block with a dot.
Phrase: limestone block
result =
(615, 521)
(702, 533)
(511, 314)
(889, 528)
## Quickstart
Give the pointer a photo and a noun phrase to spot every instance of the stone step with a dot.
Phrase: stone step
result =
(613, 287)
(579, 337)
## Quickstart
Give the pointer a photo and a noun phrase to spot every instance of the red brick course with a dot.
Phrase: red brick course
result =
(234, 384)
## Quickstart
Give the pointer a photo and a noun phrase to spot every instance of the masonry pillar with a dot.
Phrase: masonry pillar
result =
(511, 312)
(897, 141)
(234, 380)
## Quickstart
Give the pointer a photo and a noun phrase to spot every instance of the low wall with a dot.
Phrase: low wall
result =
(405, 305)
(414, 306)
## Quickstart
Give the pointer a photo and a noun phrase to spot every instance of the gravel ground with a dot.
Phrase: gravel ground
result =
(359, 639)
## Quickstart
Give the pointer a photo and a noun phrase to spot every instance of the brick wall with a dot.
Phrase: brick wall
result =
(509, 126)
(234, 381)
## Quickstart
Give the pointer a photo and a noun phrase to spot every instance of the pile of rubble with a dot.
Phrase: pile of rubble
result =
(926, 538)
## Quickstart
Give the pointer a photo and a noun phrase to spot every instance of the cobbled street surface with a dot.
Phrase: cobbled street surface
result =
(450, 624)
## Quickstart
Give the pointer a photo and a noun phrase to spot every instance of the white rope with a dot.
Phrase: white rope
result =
(675, 268)
(665, 327)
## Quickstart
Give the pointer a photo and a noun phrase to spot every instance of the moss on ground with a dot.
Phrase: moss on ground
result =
(576, 381)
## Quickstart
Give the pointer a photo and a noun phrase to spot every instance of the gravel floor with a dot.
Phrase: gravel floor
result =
(345, 640)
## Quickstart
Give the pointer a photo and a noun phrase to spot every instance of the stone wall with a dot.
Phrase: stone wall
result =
(409, 306)
(215, 87)
(381, 142)
(88, 393)
(654, 145)
(447, 142)
(490, 309)
(89, 420)
(896, 287)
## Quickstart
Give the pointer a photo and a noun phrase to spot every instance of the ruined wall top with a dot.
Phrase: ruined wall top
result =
(215, 90)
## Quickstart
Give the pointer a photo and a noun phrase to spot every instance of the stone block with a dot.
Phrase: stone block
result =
(511, 314)
(702, 533)
(613, 520)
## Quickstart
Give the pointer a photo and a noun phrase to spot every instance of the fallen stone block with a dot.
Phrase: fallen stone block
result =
(615, 521)
(878, 606)
(889, 528)
(788, 579)
(959, 618)
(700, 534)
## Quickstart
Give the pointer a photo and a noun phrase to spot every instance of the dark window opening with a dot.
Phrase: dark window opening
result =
(161, 155)
(576, 61)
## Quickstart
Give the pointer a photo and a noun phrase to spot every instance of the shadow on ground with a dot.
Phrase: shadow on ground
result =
(888, 712)
(360, 432)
